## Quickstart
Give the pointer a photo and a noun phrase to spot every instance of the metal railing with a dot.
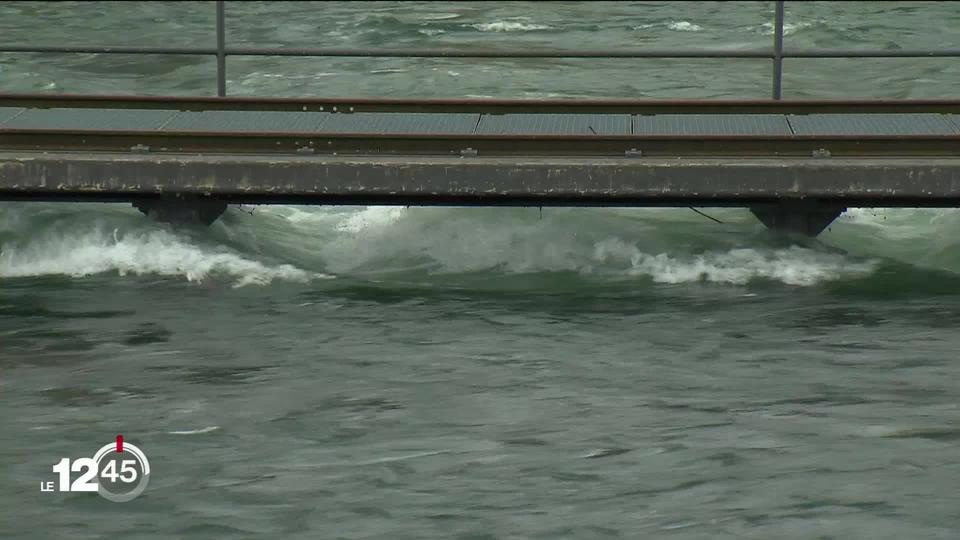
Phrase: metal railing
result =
(776, 54)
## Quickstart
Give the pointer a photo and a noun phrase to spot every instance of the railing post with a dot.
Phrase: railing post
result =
(778, 50)
(221, 51)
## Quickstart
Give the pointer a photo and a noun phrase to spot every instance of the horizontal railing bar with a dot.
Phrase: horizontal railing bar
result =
(403, 53)
(107, 50)
(494, 53)
(502, 53)
(871, 53)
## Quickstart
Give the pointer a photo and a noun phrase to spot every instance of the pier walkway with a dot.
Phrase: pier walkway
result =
(796, 164)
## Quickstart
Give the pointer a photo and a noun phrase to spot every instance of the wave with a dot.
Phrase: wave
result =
(78, 248)
(509, 26)
(792, 266)
(439, 16)
(788, 28)
(201, 431)
(677, 26)
(684, 26)
(600, 244)
(303, 244)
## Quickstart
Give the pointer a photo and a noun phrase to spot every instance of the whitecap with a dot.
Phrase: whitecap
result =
(450, 242)
(792, 266)
(207, 429)
(371, 217)
(684, 26)
(158, 252)
(439, 16)
(389, 70)
(788, 28)
(509, 26)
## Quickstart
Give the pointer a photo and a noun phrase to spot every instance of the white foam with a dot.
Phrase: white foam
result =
(156, 252)
(299, 215)
(371, 217)
(439, 16)
(509, 26)
(677, 26)
(377, 239)
(517, 241)
(788, 28)
(684, 26)
(388, 70)
(792, 266)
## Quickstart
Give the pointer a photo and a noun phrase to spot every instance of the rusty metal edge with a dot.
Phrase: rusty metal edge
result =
(468, 136)
(343, 104)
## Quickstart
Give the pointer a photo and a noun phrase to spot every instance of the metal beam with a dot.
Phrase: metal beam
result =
(485, 145)
(347, 105)
(482, 181)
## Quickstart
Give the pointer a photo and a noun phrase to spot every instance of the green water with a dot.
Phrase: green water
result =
(318, 372)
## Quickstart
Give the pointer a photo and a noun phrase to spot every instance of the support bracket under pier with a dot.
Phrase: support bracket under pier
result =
(187, 211)
(808, 218)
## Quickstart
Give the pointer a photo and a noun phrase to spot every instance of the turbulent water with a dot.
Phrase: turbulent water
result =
(315, 372)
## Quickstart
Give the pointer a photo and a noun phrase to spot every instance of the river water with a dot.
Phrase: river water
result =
(384, 372)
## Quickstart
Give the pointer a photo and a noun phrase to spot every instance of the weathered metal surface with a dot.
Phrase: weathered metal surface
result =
(873, 124)
(483, 181)
(555, 124)
(711, 124)
(558, 146)
(614, 106)
(89, 119)
(7, 113)
(364, 122)
(468, 134)
(246, 121)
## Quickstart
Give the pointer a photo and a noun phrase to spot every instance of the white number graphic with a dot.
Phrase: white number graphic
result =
(84, 482)
(110, 471)
(106, 473)
(127, 467)
(62, 468)
(127, 472)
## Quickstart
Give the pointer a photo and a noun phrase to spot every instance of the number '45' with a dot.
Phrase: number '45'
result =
(127, 472)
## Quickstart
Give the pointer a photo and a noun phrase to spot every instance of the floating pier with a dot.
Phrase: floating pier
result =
(796, 164)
